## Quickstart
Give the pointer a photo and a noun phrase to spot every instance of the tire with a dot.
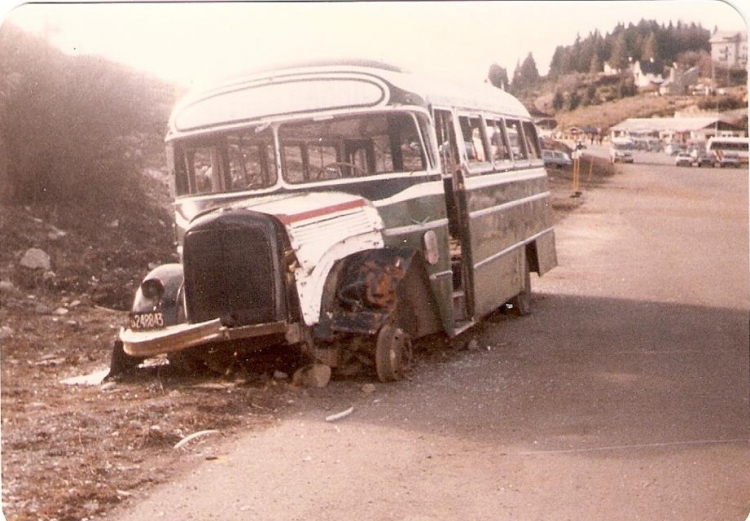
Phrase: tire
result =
(393, 353)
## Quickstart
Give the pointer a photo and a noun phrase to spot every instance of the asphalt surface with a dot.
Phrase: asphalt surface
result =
(624, 396)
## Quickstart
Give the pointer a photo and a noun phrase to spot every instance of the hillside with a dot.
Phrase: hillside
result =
(75, 128)
(647, 105)
(609, 114)
(82, 171)
(603, 110)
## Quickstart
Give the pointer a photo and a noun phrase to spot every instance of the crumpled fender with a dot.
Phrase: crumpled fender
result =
(364, 292)
(170, 278)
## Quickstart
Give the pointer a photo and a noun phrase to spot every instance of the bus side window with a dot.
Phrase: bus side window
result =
(498, 140)
(471, 130)
(515, 136)
(446, 138)
(532, 139)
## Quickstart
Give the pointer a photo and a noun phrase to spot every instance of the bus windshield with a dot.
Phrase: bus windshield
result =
(236, 161)
(310, 150)
(352, 146)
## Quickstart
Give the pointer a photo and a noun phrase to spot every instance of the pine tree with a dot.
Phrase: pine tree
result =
(498, 76)
(596, 64)
(651, 48)
(619, 59)
(558, 100)
(526, 75)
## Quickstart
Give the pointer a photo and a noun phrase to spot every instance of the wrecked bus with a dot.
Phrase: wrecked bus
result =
(346, 208)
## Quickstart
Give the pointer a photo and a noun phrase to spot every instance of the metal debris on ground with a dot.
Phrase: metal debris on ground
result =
(340, 415)
(187, 439)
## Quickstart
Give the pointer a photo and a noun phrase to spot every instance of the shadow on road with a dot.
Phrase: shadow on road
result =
(582, 373)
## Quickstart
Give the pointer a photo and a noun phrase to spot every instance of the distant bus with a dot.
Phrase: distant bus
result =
(345, 208)
(721, 145)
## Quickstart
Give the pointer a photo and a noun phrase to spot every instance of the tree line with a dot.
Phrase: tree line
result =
(648, 40)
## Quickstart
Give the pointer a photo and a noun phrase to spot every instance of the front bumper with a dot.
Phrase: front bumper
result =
(183, 336)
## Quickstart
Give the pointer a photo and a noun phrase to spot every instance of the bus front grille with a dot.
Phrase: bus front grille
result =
(229, 274)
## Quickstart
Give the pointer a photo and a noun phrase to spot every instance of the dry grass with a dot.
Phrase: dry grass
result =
(609, 114)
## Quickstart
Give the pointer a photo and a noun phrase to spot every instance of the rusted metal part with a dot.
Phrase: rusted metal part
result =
(363, 322)
(376, 287)
(370, 280)
(364, 294)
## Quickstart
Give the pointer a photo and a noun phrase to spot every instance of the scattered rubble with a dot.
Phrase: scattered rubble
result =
(36, 259)
(314, 375)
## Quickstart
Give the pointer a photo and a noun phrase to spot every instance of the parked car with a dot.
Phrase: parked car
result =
(672, 150)
(706, 159)
(556, 159)
(621, 155)
(684, 159)
(729, 159)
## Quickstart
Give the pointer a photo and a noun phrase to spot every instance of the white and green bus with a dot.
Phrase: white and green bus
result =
(719, 146)
(347, 208)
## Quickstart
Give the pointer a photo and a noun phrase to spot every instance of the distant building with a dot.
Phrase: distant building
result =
(679, 82)
(654, 75)
(729, 49)
(677, 129)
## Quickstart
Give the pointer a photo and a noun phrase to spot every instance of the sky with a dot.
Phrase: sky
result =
(194, 42)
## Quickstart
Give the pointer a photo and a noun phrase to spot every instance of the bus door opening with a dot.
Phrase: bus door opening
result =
(456, 210)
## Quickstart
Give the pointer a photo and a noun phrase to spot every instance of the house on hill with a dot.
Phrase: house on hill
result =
(648, 73)
(729, 49)
(679, 82)
(651, 74)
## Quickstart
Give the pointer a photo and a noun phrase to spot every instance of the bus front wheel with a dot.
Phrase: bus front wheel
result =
(393, 353)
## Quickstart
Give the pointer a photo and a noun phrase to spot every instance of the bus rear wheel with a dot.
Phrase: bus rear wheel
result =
(393, 353)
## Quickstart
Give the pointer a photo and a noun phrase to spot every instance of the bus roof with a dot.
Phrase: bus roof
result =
(327, 86)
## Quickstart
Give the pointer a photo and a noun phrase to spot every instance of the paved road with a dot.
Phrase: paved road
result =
(624, 396)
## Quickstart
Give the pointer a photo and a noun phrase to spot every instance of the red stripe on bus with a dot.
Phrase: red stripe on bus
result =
(318, 212)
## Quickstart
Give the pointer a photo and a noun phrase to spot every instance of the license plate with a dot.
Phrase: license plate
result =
(150, 320)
